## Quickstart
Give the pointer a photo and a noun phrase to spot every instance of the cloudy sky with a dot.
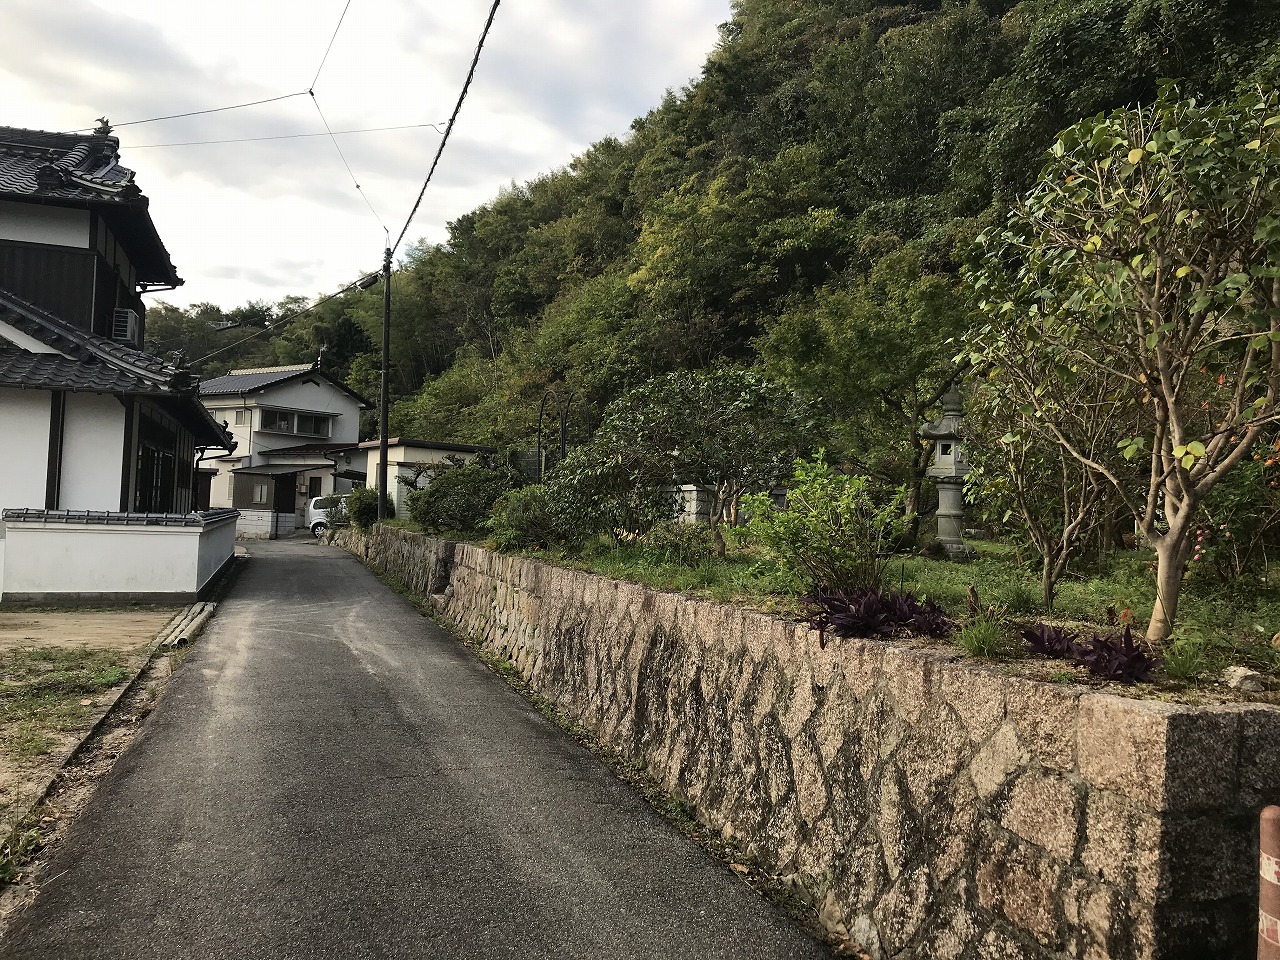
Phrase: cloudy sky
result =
(264, 219)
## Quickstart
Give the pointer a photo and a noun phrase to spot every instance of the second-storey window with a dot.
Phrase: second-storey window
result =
(313, 425)
(277, 421)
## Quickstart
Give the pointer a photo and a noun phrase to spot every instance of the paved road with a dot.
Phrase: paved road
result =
(330, 775)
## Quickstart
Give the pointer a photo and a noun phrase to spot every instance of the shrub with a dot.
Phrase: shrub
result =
(589, 496)
(335, 507)
(831, 531)
(362, 507)
(460, 498)
(522, 518)
(688, 544)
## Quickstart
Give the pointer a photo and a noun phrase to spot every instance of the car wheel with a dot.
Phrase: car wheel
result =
(319, 528)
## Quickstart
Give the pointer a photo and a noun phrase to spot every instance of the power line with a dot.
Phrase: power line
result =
(285, 136)
(475, 60)
(347, 165)
(196, 113)
(293, 316)
(329, 47)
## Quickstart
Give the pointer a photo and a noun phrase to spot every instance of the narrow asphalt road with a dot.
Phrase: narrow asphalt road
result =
(331, 775)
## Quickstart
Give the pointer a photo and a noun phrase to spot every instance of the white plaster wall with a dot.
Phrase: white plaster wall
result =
(217, 544)
(318, 397)
(38, 224)
(24, 438)
(92, 452)
(220, 486)
(80, 558)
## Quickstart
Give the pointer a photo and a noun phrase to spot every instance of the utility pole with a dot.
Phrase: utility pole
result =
(385, 394)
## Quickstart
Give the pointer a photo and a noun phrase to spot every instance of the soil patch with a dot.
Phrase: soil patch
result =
(58, 672)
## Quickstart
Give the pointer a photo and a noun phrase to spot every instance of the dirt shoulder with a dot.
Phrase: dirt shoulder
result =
(59, 673)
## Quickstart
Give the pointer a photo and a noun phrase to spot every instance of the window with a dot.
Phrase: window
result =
(313, 425)
(277, 421)
(303, 424)
(259, 493)
(242, 417)
(314, 486)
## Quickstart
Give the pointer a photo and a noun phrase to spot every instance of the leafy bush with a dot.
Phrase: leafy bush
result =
(362, 507)
(872, 612)
(591, 495)
(522, 518)
(688, 544)
(461, 497)
(335, 507)
(831, 530)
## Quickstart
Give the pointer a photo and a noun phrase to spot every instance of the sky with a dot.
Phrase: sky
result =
(272, 218)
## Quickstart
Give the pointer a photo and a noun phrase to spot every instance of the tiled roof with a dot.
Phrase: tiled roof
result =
(260, 378)
(84, 346)
(87, 362)
(53, 371)
(83, 170)
(246, 381)
(113, 518)
(63, 166)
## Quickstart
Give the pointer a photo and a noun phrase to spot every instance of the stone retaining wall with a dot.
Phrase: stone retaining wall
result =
(932, 807)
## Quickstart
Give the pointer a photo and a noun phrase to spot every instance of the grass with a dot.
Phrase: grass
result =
(42, 693)
(985, 637)
(1232, 622)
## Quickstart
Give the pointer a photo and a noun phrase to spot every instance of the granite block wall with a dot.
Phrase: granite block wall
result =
(931, 807)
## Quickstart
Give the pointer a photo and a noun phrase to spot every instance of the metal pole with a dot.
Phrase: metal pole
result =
(542, 409)
(564, 425)
(1269, 886)
(385, 392)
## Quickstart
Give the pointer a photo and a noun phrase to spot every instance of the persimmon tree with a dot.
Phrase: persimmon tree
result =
(1147, 253)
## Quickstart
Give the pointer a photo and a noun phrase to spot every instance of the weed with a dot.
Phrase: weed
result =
(26, 741)
(1019, 597)
(22, 842)
(1186, 654)
(45, 690)
(1062, 676)
(984, 637)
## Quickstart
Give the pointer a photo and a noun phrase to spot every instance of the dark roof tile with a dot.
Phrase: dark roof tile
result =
(63, 166)
(53, 371)
(83, 170)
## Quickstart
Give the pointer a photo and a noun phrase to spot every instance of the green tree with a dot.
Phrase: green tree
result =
(1148, 252)
(726, 429)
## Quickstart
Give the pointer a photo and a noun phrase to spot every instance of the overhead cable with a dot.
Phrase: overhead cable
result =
(196, 113)
(347, 165)
(285, 136)
(330, 46)
(363, 283)
(475, 60)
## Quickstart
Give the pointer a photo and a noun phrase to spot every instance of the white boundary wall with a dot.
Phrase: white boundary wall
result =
(103, 560)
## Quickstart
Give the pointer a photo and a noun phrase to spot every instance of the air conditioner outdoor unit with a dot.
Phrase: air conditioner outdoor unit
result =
(124, 325)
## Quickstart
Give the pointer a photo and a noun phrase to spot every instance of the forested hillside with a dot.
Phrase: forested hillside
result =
(804, 208)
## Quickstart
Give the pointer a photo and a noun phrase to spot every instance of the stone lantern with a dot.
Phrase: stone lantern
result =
(949, 468)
